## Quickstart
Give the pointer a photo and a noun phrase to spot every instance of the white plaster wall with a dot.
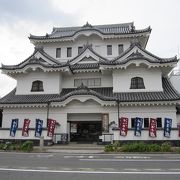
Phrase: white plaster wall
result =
(122, 79)
(51, 82)
(68, 80)
(99, 45)
(88, 107)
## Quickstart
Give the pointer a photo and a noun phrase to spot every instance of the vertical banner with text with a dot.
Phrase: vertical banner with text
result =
(51, 127)
(14, 126)
(105, 123)
(38, 129)
(138, 126)
(123, 123)
(153, 128)
(25, 130)
(167, 127)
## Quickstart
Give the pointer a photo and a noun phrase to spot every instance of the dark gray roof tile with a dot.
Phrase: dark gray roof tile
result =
(104, 93)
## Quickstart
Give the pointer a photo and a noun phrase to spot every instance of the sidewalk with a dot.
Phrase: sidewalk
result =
(71, 148)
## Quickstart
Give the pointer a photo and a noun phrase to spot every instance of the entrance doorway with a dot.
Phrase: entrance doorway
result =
(85, 131)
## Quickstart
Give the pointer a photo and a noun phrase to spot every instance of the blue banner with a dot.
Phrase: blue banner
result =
(14, 126)
(167, 127)
(39, 126)
(138, 126)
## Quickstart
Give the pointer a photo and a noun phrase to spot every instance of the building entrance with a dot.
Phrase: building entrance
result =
(85, 131)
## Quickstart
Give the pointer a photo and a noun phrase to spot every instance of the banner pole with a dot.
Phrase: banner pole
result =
(118, 112)
(48, 106)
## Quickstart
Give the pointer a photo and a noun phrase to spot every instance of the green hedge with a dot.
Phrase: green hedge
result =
(138, 147)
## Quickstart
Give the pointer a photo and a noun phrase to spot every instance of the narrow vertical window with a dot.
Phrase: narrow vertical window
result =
(80, 49)
(109, 49)
(146, 122)
(133, 122)
(58, 52)
(37, 86)
(1, 117)
(69, 52)
(120, 48)
(159, 122)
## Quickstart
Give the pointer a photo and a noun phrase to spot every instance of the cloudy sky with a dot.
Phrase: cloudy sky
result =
(19, 18)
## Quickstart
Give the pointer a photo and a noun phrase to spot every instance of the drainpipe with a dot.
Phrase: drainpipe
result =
(48, 106)
(118, 111)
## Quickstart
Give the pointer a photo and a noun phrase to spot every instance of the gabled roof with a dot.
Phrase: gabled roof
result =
(103, 93)
(136, 52)
(87, 55)
(110, 29)
(44, 60)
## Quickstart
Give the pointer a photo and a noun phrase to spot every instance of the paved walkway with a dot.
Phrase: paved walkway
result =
(72, 148)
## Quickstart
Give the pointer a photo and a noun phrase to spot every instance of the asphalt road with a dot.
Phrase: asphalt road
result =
(58, 166)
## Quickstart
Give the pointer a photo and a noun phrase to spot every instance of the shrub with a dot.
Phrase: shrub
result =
(109, 148)
(153, 148)
(1, 146)
(166, 147)
(134, 147)
(27, 146)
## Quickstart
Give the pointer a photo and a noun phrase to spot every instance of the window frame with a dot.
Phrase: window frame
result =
(69, 51)
(120, 49)
(80, 49)
(37, 86)
(58, 52)
(89, 82)
(137, 83)
(109, 50)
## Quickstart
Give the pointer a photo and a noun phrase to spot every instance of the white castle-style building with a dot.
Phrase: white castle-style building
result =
(87, 78)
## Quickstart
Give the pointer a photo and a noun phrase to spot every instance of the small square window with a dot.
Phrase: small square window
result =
(109, 49)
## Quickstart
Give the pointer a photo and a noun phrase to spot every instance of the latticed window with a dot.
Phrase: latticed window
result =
(137, 83)
(37, 86)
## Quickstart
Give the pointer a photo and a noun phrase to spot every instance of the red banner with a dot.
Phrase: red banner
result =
(51, 127)
(152, 127)
(178, 125)
(25, 130)
(123, 124)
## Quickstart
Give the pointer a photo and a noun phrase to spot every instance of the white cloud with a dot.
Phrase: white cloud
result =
(19, 18)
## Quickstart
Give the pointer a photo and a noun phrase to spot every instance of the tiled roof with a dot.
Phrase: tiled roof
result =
(126, 28)
(104, 93)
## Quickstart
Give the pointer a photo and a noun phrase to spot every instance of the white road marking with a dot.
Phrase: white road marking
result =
(91, 157)
(89, 172)
(134, 160)
(133, 157)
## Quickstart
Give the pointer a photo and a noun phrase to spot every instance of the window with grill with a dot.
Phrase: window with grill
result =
(137, 83)
(69, 51)
(120, 48)
(37, 86)
(109, 49)
(58, 52)
(87, 82)
(80, 49)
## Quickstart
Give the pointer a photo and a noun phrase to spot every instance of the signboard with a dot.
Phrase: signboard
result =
(105, 123)
(38, 129)
(25, 130)
(153, 128)
(138, 126)
(14, 126)
(167, 127)
(51, 127)
(123, 124)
